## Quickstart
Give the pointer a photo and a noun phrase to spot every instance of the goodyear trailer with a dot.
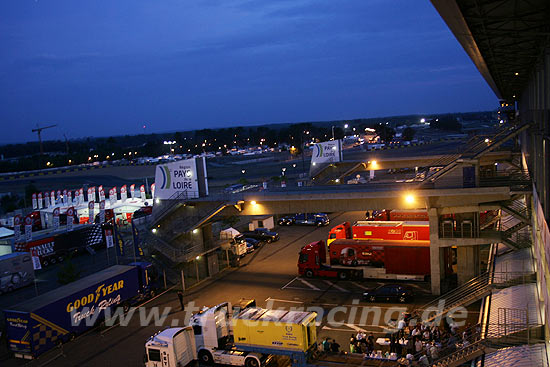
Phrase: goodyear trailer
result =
(37, 325)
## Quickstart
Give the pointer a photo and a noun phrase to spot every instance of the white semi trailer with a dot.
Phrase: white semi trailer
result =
(208, 339)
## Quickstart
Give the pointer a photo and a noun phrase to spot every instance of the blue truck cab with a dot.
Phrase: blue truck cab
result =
(38, 324)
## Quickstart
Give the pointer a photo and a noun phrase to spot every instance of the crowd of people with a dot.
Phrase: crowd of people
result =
(423, 343)
(413, 343)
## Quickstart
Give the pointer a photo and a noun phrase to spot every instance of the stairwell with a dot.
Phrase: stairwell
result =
(476, 147)
(462, 296)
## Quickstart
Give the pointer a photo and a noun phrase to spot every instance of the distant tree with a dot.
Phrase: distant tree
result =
(29, 190)
(338, 133)
(68, 272)
(446, 123)
(10, 202)
(386, 133)
(408, 133)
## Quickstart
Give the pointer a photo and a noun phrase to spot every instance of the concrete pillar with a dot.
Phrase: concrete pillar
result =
(436, 261)
(467, 263)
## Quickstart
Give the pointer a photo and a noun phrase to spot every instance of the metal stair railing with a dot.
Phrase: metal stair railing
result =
(184, 224)
(518, 240)
(174, 254)
(477, 146)
(463, 355)
(517, 209)
(463, 295)
(513, 229)
(502, 136)
(169, 204)
(489, 221)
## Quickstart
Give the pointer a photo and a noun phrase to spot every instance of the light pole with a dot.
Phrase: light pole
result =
(332, 132)
(302, 145)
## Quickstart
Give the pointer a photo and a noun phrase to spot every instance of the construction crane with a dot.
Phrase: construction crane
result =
(39, 131)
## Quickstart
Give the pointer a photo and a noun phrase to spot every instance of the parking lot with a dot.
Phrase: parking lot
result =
(268, 275)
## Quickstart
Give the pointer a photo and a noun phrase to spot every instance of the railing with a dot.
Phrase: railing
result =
(463, 295)
(517, 207)
(166, 205)
(181, 224)
(173, 253)
(510, 278)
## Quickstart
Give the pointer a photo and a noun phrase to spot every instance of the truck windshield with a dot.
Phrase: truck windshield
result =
(303, 258)
(154, 355)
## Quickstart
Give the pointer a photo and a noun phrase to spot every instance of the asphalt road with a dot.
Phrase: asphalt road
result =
(269, 277)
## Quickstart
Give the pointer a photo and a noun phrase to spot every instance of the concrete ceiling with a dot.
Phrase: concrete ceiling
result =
(504, 38)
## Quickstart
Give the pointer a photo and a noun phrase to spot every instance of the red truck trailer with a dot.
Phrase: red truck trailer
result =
(380, 230)
(356, 259)
(404, 215)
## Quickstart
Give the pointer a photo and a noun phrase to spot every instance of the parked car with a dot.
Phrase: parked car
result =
(254, 242)
(262, 234)
(305, 219)
(249, 247)
(389, 293)
(287, 220)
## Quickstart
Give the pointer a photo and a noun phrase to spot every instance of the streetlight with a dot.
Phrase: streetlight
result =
(346, 126)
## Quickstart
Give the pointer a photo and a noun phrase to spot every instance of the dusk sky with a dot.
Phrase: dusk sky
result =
(107, 67)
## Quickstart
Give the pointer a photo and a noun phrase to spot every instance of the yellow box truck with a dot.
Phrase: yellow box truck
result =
(276, 329)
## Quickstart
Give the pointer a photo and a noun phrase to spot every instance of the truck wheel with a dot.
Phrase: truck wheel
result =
(372, 298)
(309, 273)
(52, 260)
(343, 275)
(205, 357)
(125, 307)
(268, 240)
(251, 362)
(45, 263)
(402, 299)
(354, 262)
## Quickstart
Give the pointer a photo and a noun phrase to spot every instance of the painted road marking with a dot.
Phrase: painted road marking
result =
(335, 286)
(360, 286)
(281, 300)
(287, 284)
(308, 284)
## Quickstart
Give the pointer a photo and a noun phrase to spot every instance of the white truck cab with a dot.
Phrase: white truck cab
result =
(173, 347)
(212, 329)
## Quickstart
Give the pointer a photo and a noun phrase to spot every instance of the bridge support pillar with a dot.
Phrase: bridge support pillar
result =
(436, 253)
(467, 263)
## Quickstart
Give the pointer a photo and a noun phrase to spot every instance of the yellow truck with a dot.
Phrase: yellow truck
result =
(274, 329)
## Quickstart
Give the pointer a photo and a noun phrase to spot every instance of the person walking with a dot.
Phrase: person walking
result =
(180, 297)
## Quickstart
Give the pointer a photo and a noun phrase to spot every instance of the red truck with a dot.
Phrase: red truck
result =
(380, 230)
(404, 215)
(366, 259)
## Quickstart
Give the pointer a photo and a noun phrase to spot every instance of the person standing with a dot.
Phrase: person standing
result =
(335, 347)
